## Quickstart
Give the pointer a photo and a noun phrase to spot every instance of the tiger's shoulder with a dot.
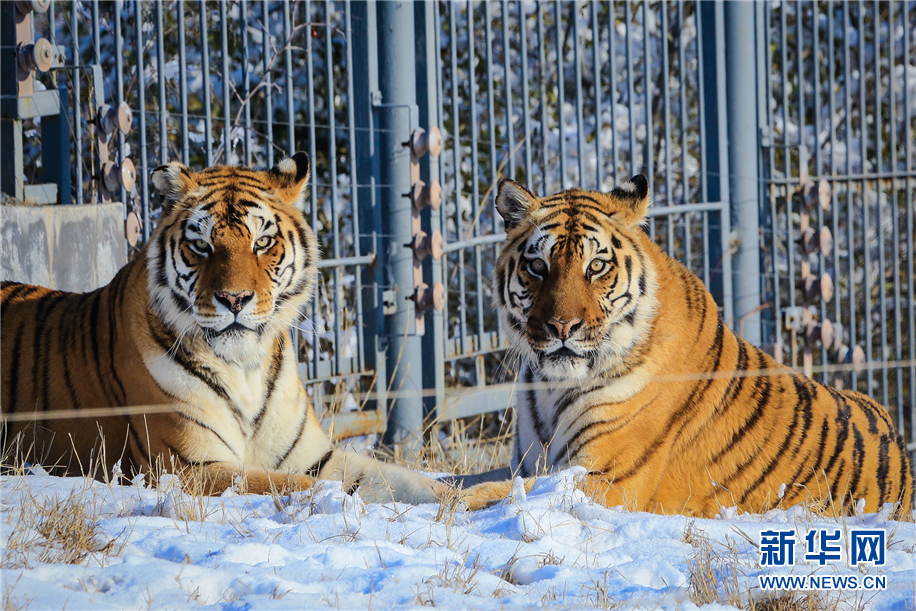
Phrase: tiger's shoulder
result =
(17, 292)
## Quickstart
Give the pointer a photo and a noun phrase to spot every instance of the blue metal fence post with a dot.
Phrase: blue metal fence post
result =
(364, 70)
(428, 83)
(397, 115)
(21, 100)
(743, 151)
(711, 37)
(12, 176)
(55, 149)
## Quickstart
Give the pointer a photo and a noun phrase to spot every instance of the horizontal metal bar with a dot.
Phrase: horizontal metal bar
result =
(794, 180)
(344, 261)
(493, 238)
(490, 343)
(688, 208)
(325, 373)
(475, 401)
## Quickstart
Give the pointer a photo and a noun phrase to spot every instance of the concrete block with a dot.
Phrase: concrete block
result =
(71, 248)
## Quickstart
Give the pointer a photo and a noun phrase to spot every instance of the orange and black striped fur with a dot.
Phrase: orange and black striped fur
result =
(198, 322)
(629, 371)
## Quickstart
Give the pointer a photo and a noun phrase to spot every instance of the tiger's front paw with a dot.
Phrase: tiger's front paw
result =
(488, 494)
(484, 495)
(415, 490)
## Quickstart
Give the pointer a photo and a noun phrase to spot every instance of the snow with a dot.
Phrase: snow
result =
(321, 548)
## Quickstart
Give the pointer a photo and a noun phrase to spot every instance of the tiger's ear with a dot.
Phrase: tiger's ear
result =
(292, 176)
(630, 200)
(172, 181)
(514, 202)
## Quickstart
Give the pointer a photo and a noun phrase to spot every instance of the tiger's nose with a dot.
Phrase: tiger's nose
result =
(565, 327)
(234, 301)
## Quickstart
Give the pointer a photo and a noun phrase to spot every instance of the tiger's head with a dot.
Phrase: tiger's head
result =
(573, 286)
(233, 258)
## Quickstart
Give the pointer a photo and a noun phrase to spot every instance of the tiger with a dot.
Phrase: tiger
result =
(199, 323)
(629, 371)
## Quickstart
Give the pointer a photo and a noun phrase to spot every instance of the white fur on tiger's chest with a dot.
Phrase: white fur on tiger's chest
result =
(174, 379)
(562, 409)
(246, 388)
(243, 396)
(535, 431)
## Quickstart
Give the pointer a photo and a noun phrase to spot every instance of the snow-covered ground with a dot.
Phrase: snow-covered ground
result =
(163, 549)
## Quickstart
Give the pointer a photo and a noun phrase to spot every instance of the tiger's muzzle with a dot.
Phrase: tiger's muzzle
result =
(235, 313)
(558, 338)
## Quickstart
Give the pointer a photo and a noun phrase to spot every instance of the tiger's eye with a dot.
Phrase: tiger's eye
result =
(264, 241)
(597, 266)
(537, 267)
(201, 246)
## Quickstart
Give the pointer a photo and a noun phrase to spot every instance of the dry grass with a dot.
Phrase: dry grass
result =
(19, 603)
(449, 504)
(599, 594)
(466, 446)
(183, 496)
(507, 572)
(819, 502)
(19, 454)
(67, 529)
(802, 601)
(460, 576)
(472, 445)
(714, 580)
(56, 531)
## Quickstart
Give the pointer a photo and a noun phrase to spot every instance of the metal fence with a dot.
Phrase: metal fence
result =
(552, 94)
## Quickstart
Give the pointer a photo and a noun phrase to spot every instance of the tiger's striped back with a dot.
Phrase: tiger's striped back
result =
(61, 351)
(629, 371)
